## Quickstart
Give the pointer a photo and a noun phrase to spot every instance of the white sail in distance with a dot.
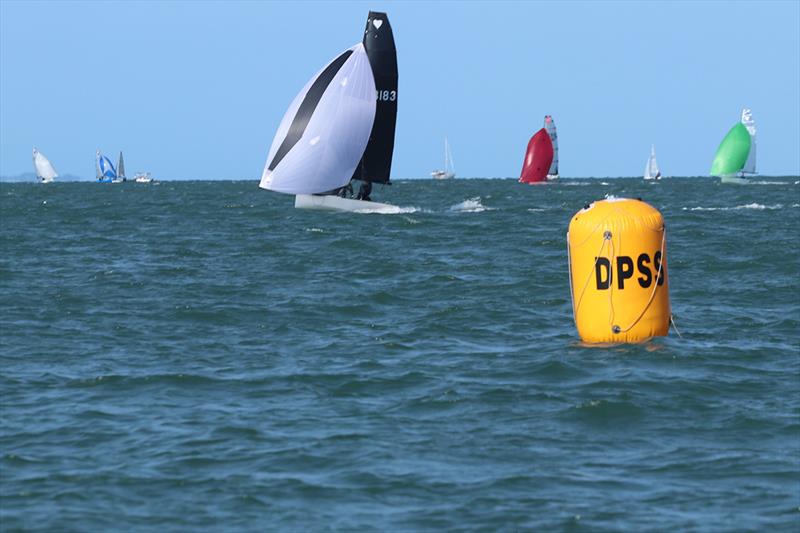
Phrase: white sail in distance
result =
(121, 167)
(326, 129)
(44, 169)
(651, 171)
(550, 126)
(747, 119)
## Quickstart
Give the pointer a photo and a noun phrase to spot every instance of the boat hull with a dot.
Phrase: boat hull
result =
(734, 179)
(440, 175)
(329, 202)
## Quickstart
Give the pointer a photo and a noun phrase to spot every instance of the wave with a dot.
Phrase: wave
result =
(472, 205)
(760, 207)
(388, 210)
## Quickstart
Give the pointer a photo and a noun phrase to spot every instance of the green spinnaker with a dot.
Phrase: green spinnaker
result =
(732, 152)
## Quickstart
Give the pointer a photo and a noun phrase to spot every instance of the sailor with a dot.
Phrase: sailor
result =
(346, 191)
(365, 191)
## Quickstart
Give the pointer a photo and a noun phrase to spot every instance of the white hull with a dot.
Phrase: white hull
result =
(552, 177)
(734, 179)
(441, 175)
(329, 202)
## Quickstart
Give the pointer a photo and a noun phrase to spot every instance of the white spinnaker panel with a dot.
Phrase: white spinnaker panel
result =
(550, 126)
(44, 169)
(749, 123)
(336, 136)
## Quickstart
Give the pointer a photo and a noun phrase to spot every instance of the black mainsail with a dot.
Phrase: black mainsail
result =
(376, 163)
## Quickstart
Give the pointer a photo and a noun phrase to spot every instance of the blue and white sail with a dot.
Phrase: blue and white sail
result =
(105, 169)
(325, 131)
(44, 169)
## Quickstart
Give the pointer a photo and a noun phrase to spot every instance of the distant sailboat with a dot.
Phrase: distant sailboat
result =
(120, 170)
(449, 171)
(143, 177)
(106, 173)
(736, 155)
(550, 126)
(651, 171)
(538, 158)
(44, 169)
(340, 128)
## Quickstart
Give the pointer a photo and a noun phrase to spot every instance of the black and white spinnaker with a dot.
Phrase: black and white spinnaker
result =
(340, 128)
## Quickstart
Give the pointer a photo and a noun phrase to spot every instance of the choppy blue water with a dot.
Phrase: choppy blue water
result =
(202, 356)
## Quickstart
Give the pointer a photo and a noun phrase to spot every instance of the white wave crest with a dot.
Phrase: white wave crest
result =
(472, 205)
(388, 210)
(760, 207)
(315, 230)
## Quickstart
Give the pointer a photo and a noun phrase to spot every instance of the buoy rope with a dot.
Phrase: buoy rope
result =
(672, 321)
(652, 294)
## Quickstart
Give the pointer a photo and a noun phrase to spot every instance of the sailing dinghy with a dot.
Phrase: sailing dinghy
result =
(736, 155)
(105, 171)
(340, 128)
(44, 169)
(651, 171)
(538, 158)
(550, 126)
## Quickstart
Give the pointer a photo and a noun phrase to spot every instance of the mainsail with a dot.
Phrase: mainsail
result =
(44, 169)
(105, 169)
(651, 171)
(749, 123)
(121, 167)
(538, 158)
(376, 163)
(550, 126)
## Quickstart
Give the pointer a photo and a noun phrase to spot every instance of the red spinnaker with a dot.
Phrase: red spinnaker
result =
(537, 158)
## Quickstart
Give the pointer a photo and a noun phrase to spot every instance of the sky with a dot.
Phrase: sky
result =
(196, 90)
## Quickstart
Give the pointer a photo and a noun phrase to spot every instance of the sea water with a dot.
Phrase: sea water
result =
(203, 356)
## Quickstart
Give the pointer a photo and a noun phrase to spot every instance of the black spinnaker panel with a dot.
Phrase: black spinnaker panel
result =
(376, 163)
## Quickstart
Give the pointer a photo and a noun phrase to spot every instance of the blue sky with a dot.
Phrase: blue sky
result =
(197, 89)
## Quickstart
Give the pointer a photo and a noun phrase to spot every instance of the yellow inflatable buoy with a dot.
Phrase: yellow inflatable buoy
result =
(618, 271)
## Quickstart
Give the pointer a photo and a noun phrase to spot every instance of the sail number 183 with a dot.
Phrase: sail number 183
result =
(387, 96)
